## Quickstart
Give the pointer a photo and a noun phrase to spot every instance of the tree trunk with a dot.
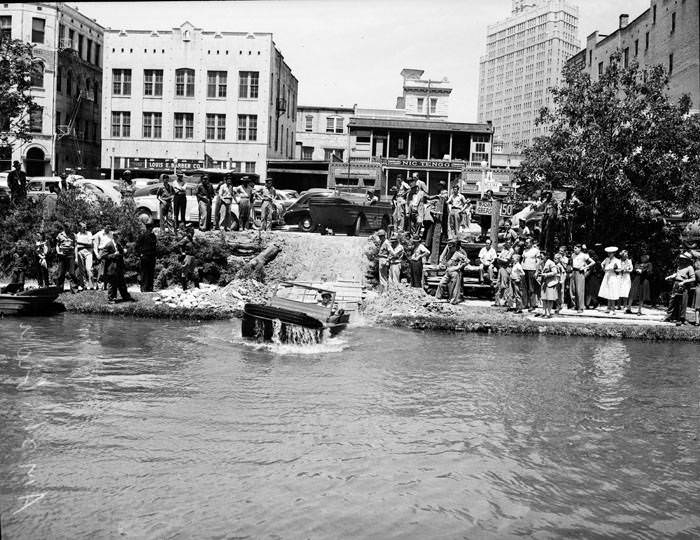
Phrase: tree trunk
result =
(264, 257)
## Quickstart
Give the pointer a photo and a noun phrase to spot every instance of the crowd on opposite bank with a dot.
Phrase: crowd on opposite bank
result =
(524, 278)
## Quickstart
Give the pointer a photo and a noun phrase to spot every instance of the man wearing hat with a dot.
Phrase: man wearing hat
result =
(438, 210)
(267, 210)
(205, 194)
(83, 255)
(127, 185)
(17, 182)
(453, 259)
(146, 246)
(682, 279)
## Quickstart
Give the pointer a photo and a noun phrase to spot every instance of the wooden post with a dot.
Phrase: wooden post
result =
(495, 219)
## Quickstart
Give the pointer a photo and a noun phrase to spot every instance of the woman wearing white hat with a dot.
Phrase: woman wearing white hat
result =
(610, 286)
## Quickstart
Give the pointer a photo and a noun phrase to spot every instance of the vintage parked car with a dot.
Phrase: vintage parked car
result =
(38, 186)
(100, 189)
(282, 203)
(350, 213)
(298, 212)
(147, 205)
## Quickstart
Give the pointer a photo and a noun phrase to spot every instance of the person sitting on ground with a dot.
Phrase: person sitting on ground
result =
(681, 278)
(487, 255)
(453, 260)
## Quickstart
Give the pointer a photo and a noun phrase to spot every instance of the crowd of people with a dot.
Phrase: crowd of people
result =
(90, 260)
(524, 276)
(215, 205)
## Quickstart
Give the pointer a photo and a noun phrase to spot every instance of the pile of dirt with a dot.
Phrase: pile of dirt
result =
(230, 298)
(403, 299)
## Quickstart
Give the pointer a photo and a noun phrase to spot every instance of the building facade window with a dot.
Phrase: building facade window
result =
(38, 74)
(636, 47)
(216, 84)
(600, 68)
(334, 124)
(433, 105)
(627, 56)
(36, 117)
(250, 166)
(152, 82)
(184, 126)
(308, 123)
(121, 82)
(670, 64)
(216, 127)
(307, 152)
(6, 27)
(248, 84)
(80, 46)
(673, 22)
(333, 154)
(152, 125)
(38, 30)
(419, 104)
(646, 41)
(59, 79)
(184, 82)
(247, 127)
(121, 124)
(97, 54)
(88, 52)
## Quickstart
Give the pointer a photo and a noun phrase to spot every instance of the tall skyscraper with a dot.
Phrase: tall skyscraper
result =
(524, 57)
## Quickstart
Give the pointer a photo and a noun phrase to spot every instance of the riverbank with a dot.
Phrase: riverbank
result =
(404, 307)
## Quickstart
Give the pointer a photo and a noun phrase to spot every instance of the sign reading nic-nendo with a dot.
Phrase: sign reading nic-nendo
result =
(424, 164)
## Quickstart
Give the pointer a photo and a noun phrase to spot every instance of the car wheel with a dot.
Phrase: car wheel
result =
(144, 214)
(307, 224)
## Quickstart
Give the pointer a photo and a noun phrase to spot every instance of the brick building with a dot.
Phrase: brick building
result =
(667, 33)
(206, 98)
(66, 85)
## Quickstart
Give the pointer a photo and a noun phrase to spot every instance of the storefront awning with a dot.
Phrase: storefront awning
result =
(418, 125)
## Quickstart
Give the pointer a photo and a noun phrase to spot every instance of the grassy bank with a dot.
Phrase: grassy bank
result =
(95, 302)
(489, 321)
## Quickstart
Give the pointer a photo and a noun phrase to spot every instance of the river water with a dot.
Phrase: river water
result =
(151, 429)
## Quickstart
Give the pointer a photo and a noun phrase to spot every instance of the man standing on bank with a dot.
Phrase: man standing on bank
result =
(17, 182)
(146, 247)
(205, 194)
(246, 195)
(581, 263)
(267, 210)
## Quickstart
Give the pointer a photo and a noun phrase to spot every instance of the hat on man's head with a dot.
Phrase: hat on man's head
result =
(326, 294)
(381, 232)
(15, 162)
(611, 249)
(686, 255)
(268, 179)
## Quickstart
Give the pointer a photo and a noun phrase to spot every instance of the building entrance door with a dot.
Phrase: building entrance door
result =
(35, 162)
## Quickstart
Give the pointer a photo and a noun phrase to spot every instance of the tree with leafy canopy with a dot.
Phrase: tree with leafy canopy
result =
(17, 63)
(629, 153)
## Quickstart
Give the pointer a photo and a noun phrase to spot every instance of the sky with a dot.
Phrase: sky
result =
(347, 52)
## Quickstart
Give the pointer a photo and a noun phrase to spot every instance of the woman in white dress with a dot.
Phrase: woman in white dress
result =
(626, 268)
(610, 286)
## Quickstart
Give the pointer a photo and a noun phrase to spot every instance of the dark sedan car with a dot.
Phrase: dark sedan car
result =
(299, 214)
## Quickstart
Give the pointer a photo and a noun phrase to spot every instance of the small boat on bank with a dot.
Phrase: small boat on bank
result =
(40, 301)
(296, 313)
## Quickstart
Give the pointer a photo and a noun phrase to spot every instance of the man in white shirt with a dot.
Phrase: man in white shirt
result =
(100, 240)
(581, 263)
(455, 203)
(486, 257)
(84, 255)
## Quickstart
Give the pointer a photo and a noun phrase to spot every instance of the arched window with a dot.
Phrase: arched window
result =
(184, 82)
(38, 74)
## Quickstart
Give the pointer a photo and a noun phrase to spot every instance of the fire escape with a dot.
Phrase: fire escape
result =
(68, 130)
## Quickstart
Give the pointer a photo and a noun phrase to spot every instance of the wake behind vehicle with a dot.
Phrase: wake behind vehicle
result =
(296, 314)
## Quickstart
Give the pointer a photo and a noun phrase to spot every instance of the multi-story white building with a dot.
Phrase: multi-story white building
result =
(524, 57)
(66, 85)
(204, 98)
